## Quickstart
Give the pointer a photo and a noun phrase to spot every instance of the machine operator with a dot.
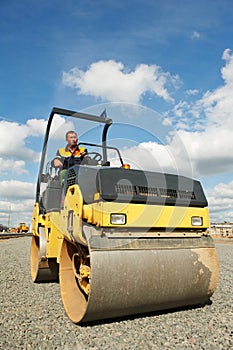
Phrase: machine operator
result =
(71, 155)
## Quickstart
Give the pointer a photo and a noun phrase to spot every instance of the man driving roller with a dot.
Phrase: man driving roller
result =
(70, 155)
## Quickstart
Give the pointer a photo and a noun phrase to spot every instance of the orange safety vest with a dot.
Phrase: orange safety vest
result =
(64, 152)
(70, 158)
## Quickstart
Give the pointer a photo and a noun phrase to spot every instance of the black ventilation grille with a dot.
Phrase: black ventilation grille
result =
(145, 191)
(168, 193)
(126, 189)
(71, 178)
(187, 194)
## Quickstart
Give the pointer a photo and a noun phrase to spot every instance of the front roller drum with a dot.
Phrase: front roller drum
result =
(133, 279)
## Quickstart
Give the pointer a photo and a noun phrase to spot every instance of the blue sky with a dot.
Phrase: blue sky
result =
(172, 57)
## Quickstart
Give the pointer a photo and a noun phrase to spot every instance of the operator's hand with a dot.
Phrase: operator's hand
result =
(57, 163)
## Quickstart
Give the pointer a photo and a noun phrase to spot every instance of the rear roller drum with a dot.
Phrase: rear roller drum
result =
(42, 268)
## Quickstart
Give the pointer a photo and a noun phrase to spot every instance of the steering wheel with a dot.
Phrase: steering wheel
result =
(96, 156)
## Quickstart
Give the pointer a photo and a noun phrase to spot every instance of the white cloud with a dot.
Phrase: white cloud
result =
(13, 136)
(195, 35)
(186, 153)
(15, 149)
(111, 81)
(224, 190)
(148, 156)
(13, 166)
(17, 200)
(60, 126)
(36, 127)
(217, 105)
(220, 202)
(17, 190)
(192, 92)
(227, 71)
(205, 126)
(214, 107)
(152, 156)
(210, 151)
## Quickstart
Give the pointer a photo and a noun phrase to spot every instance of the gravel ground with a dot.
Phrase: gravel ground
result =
(32, 315)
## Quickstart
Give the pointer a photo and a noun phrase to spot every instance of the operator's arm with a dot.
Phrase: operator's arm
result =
(57, 162)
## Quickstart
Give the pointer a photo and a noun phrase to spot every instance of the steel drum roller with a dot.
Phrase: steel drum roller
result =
(134, 281)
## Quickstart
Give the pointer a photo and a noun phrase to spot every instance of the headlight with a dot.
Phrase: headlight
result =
(118, 219)
(197, 221)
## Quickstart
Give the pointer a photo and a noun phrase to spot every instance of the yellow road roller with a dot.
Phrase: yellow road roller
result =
(120, 241)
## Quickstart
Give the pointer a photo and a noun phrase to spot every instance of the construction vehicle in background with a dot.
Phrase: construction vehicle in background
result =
(22, 228)
(120, 241)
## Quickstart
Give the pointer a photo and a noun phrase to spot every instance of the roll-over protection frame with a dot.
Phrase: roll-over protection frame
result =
(69, 113)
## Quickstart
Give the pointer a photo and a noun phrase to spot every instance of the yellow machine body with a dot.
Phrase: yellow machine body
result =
(157, 250)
